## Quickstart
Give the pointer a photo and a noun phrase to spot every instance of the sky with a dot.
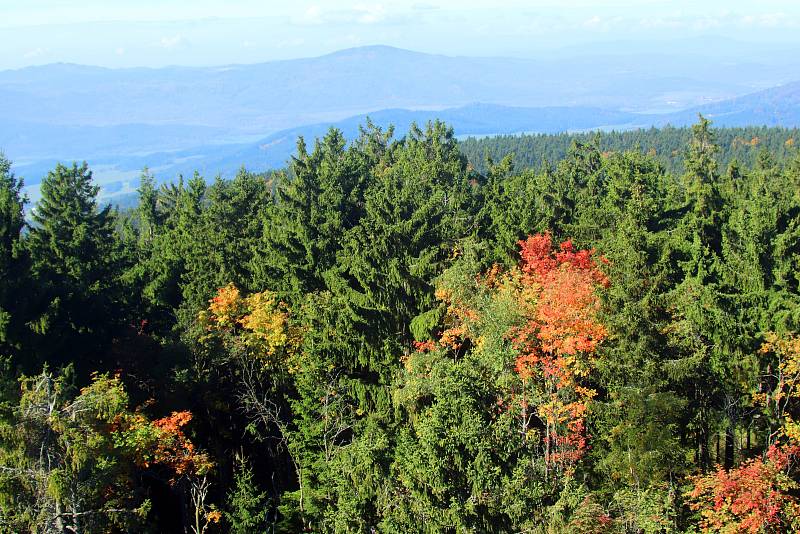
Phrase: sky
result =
(155, 33)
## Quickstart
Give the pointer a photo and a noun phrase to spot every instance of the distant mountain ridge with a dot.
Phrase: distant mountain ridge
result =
(779, 106)
(476, 119)
(268, 97)
(274, 150)
(216, 119)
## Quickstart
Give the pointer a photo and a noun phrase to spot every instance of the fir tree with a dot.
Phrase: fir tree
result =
(247, 505)
(13, 264)
(75, 254)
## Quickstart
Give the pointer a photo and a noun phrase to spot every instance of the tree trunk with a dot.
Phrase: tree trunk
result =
(705, 453)
(729, 446)
(748, 440)
(59, 520)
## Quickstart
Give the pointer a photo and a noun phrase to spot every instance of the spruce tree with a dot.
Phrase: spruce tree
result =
(512, 207)
(75, 256)
(316, 202)
(247, 506)
(149, 216)
(13, 265)
(702, 330)
(637, 422)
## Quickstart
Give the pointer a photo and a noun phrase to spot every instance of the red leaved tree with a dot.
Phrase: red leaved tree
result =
(760, 495)
(558, 288)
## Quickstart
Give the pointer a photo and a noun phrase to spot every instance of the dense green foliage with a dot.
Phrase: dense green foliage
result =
(388, 337)
(666, 145)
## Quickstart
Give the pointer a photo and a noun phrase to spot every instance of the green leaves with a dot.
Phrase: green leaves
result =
(62, 467)
(327, 377)
(13, 267)
(247, 505)
(76, 260)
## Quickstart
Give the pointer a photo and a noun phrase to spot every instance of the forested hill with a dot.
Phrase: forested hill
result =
(384, 340)
(666, 145)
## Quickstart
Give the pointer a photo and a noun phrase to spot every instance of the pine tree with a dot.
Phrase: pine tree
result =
(226, 237)
(703, 332)
(75, 255)
(247, 505)
(149, 216)
(637, 423)
(416, 210)
(704, 202)
(13, 264)
(316, 202)
(512, 207)
(164, 267)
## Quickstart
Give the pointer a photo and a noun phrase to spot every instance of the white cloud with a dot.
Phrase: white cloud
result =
(593, 22)
(604, 24)
(719, 21)
(312, 15)
(360, 14)
(120, 51)
(369, 13)
(171, 42)
(771, 20)
(706, 23)
(425, 7)
(36, 52)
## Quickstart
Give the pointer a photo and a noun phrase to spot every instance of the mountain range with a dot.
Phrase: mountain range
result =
(216, 119)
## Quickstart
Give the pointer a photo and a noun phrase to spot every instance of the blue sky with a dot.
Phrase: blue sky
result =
(122, 33)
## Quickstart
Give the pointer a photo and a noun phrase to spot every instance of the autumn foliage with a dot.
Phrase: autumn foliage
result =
(174, 449)
(760, 495)
(554, 291)
(556, 343)
(754, 497)
(259, 322)
(162, 443)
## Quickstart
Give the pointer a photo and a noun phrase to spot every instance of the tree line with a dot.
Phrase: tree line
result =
(742, 145)
(390, 337)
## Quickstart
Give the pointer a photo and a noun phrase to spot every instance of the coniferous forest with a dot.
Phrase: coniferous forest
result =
(398, 335)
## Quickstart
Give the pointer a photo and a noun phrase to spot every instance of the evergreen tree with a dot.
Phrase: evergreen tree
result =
(247, 506)
(316, 202)
(416, 210)
(147, 210)
(76, 261)
(637, 423)
(226, 237)
(703, 332)
(13, 265)
(512, 206)
(362, 328)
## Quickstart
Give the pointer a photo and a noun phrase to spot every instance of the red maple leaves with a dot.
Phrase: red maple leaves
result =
(554, 292)
(556, 343)
(761, 494)
(174, 449)
(754, 497)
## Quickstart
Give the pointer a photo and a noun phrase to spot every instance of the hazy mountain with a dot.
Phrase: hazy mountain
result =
(216, 119)
(33, 141)
(267, 97)
(777, 106)
(119, 171)
(477, 119)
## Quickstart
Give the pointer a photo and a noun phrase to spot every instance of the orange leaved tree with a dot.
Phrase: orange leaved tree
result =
(558, 288)
(760, 495)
